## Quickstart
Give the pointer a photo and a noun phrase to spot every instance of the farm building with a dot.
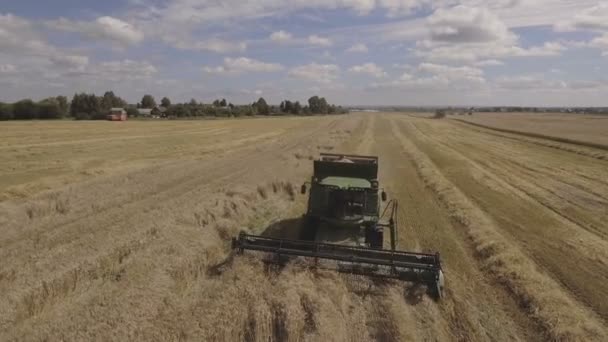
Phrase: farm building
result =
(145, 112)
(117, 114)
(155, 112)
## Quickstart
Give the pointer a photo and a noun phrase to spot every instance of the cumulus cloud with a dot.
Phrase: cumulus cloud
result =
(72, 62)
(432, 76)
(360, 47)
(368, 69)
(319, 41)
(20, 42)
(281, 36)
(207, 11)
(242, 65)
(7, 68)
(593, 18)
(212, 45)
(463, 24)
(104, 28)
(17, 36)
(489, 62)
(451, 73)
(471, 34)
(127, 69)
(522, 82)
(322, 73)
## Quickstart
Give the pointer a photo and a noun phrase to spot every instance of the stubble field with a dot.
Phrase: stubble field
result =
(114, 231)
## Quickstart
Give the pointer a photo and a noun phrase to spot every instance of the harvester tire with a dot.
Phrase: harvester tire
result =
(309, 229)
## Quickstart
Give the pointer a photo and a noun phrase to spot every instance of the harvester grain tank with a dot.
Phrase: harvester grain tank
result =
(346, 224)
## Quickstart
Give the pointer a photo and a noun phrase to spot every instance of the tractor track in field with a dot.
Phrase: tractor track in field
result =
(467, 310)
(574, 146)
(158, 267)
(568, 237)
(490, 242)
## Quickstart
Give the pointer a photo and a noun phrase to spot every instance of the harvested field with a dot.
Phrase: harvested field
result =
(581, 128)
(121, 231)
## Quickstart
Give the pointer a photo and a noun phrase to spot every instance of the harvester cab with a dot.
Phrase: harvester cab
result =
(345, 223)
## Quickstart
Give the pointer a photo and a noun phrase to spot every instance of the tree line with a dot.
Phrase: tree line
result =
(49, 108)
(222, 108)
(90, 107)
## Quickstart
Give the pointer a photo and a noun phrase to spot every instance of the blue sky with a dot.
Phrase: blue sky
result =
(354, 52)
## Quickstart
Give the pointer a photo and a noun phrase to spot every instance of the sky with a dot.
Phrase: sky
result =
(353, 52)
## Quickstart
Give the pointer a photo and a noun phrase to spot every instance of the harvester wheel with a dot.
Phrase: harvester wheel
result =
(308, 231)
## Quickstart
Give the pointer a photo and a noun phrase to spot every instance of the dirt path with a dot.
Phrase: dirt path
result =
(140, 249)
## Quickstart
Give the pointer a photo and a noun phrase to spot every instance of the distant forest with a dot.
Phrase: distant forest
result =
(92, 107)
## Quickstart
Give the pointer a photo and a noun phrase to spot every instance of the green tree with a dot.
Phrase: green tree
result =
(216, 103)
(223, 103)
(110, 100)
(6, 111)
(318, 105)
(148, 102)
(25, 110)
(84, 105)
(297, 108)
(132, 111)
(262, 107)
(49, 109)
(288, 106)
(64, 106)
(107, 100)
(165, 102)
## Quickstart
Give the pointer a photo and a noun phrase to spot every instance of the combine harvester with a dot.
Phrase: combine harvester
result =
(344, 223)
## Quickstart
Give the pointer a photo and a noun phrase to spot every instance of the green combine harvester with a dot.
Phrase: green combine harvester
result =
(345, 224)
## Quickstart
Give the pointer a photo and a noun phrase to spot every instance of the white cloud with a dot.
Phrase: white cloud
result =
(462, 24)
(72, 62)
(472, 34)
(319, 41)
(7, 68)
(281, 36)
(17, 36)
(489, 62)
(522, 82)
(126, 69)
(432, 77)
(451, 73)
(322, 73)
(360, 47)
(211, 45)
(23, 46)
(211, 11)
(120, 70)
(104, 28)
(368, 69)
(242, 65)
(593, 18)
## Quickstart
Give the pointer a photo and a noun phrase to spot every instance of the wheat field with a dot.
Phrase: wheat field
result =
(121, 230)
